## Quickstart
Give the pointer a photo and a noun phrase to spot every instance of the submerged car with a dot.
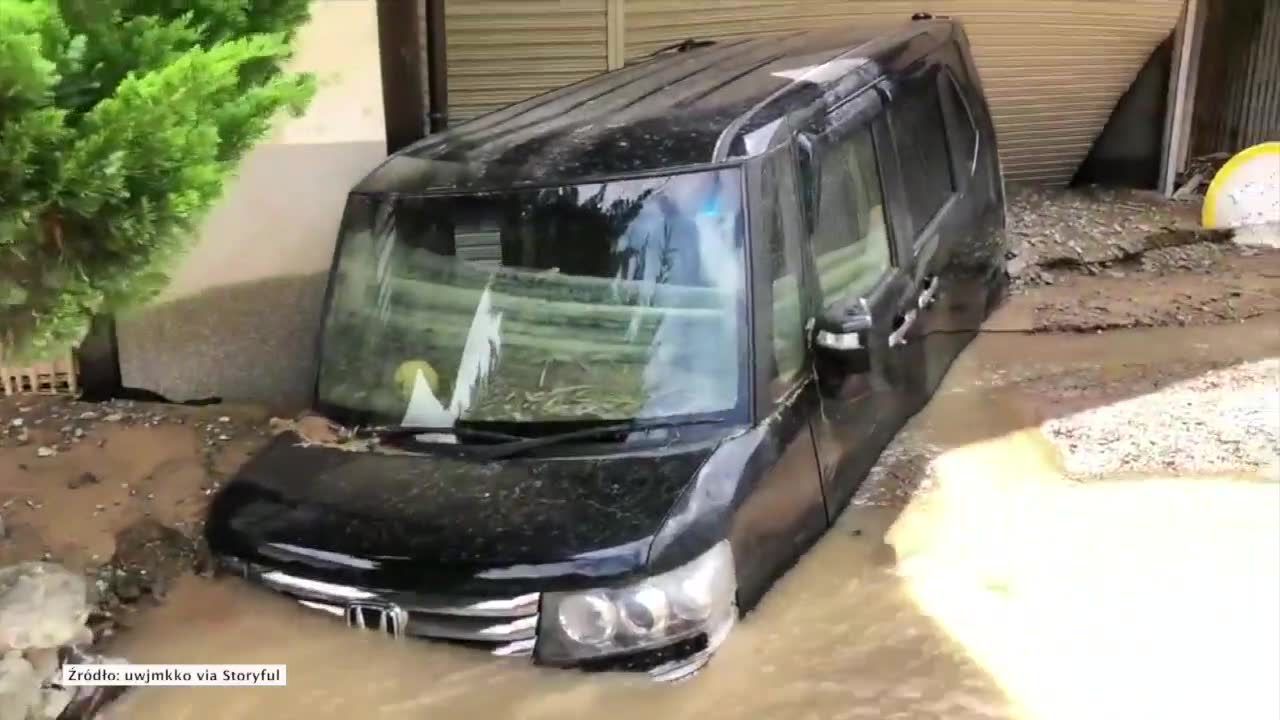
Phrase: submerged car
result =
(605, 363)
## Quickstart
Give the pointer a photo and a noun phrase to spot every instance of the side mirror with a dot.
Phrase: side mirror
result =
(845, 338)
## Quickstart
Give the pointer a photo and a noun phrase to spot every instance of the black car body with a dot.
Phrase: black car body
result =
(820, 219)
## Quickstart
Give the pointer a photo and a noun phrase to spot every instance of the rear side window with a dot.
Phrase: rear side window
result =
(964, 133)
(921, 132)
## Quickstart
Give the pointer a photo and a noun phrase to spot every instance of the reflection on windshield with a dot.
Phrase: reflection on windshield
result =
(604, 301)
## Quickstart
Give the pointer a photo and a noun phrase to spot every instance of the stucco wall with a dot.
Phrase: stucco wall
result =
(239, 319)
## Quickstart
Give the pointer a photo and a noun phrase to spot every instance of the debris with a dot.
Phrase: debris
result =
(85, 478)
(314, 429)
(149, 556)
(42, 605)
(1190, 186)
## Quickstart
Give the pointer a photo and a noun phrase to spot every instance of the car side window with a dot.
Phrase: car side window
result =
(850, 240)
(787, 341)
(921, 133)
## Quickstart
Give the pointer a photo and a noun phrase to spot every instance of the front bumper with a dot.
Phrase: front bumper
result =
(506, 626)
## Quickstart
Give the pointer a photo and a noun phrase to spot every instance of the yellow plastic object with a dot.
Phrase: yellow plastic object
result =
(407, 375)
(1246, 191)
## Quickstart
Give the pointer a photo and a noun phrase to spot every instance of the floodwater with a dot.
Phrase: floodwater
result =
(1005, 591)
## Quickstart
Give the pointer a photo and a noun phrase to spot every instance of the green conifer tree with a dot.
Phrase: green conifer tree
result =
(120, 122)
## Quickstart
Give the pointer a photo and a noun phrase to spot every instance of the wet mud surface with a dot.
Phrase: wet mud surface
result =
(976, 575)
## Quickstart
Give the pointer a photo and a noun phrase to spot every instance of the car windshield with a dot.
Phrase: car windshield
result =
(606, 301)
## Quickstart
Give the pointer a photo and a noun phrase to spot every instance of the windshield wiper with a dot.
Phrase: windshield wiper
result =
(522, 445)
(400, 432)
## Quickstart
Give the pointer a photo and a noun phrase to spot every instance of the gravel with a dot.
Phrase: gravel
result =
(1225, 420)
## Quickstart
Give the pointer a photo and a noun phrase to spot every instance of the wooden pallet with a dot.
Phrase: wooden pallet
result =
(58, 377)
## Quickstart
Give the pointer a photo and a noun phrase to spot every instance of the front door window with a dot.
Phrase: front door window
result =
(851, 239)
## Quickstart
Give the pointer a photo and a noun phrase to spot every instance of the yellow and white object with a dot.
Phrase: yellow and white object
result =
(1246, 191)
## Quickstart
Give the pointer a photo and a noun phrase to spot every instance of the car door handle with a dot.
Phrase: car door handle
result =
(930, 293)
(898, 337)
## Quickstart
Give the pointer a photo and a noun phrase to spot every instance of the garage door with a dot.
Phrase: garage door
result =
(504, 51)
(1053, 69)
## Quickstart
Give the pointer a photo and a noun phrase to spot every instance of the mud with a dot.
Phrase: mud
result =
(109, 466)
(975, 576)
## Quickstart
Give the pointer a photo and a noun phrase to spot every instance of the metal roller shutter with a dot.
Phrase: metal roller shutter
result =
(504, 51)
(1053, 69)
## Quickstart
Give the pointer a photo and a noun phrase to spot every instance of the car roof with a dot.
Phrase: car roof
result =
(675, 109)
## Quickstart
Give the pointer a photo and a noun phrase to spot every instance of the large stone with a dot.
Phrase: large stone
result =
(19, 687)
(42, 605)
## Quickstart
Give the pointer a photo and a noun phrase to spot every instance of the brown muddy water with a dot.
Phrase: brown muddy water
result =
(1000, 589)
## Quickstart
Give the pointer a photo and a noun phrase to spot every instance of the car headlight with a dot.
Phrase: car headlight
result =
(695, 598)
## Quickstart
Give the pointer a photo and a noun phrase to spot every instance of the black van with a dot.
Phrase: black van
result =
(611, 359)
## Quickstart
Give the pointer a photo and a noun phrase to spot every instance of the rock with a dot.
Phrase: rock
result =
(19, 687)
(45, 451)
(114, 417)
(23, 437)
(16, 422)
(85, 478)
(42, 605)
(149, 557)
(128, 588)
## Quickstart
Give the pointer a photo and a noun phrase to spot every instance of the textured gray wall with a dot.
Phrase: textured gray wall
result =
(239, 321)
(252, 342)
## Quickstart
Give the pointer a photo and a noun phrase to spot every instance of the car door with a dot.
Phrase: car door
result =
(862, 299)
(936, 140)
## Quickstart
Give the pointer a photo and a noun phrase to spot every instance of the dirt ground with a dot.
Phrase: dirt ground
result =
(117, 491)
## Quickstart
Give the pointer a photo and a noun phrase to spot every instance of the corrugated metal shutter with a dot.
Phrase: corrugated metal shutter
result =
(1053, 69)
(504, 51)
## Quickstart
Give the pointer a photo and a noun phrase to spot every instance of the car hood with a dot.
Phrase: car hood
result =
(399, 521)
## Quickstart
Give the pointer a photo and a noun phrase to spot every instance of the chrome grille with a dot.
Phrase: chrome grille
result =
(505, 626)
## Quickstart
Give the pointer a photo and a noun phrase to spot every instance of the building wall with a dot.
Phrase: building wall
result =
(1053, 69)
(240, 318)
(1237, 102)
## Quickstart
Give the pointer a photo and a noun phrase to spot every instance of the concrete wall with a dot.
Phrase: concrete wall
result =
(240, 318)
